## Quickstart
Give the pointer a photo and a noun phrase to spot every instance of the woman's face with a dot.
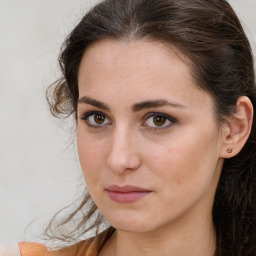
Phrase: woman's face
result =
(147, 136)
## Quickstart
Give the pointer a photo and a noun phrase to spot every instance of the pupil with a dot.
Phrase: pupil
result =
(159, 121)
(99, 119)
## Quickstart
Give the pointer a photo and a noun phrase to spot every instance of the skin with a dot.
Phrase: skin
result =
(179, 161)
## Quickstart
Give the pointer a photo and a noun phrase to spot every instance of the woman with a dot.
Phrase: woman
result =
(163, 93)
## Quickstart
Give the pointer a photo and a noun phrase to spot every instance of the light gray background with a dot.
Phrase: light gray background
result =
(39, 170)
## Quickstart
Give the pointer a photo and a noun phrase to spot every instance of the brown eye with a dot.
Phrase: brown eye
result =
(99, 119)
(159, 120)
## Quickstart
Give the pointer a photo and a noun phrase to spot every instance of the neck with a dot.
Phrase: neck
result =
(191, 238)
(192, 242)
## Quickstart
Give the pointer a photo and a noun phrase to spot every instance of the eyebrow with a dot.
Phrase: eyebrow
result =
(93, 102)
(155, 104)
(136, 107)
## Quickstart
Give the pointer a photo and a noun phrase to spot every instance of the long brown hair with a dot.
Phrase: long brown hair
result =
(210, 35)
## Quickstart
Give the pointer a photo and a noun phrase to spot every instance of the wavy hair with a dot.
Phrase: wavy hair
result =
(210, 35)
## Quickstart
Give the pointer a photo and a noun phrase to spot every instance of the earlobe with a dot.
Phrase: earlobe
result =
(237, 130)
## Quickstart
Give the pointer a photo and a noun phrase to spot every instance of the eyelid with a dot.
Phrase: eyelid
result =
(172, 120)
(153, 114)
(89, 113)
(85, 117)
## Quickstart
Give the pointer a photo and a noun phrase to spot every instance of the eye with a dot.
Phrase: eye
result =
(96, 119)
(158, 121)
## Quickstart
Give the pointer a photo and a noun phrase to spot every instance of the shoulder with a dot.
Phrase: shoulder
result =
(83, 248)
(26, 249)
(89, 247)
(35, 249)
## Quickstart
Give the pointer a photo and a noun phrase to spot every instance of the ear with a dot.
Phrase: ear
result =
(237, 130)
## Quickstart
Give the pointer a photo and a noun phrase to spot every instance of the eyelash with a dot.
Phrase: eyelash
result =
(162, 115)
(172, 120)
(86, 116)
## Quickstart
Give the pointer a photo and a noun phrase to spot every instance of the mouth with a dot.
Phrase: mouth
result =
(126, 194)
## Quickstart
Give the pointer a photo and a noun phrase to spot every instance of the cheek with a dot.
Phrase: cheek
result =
(184, 162)
(91, 155)
(172, 165)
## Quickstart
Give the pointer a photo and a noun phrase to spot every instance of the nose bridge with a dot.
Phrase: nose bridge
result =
(123, 153)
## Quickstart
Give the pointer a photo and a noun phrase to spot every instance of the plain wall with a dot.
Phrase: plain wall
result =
(39, 168)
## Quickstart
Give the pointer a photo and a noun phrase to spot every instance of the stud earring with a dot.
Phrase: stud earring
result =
(229, 150)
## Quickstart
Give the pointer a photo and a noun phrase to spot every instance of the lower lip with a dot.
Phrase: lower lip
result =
(127, 197)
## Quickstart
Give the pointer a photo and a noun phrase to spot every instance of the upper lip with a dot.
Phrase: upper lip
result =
(126, 189)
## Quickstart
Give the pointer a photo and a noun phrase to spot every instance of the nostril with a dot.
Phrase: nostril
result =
(123, 161)
(124, 151)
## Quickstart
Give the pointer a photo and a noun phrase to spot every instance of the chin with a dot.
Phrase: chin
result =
(131, 223)
(132, 228)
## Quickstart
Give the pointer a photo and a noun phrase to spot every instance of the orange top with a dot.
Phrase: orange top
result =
(80, 249)
(27, 249)
(89, 247)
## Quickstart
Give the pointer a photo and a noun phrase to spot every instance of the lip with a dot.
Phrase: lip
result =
(127, 193)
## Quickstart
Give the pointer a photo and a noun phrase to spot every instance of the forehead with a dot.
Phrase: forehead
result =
(113, 56)
(136, 70)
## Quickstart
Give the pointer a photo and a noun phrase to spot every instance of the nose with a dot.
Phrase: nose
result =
(124, 152)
